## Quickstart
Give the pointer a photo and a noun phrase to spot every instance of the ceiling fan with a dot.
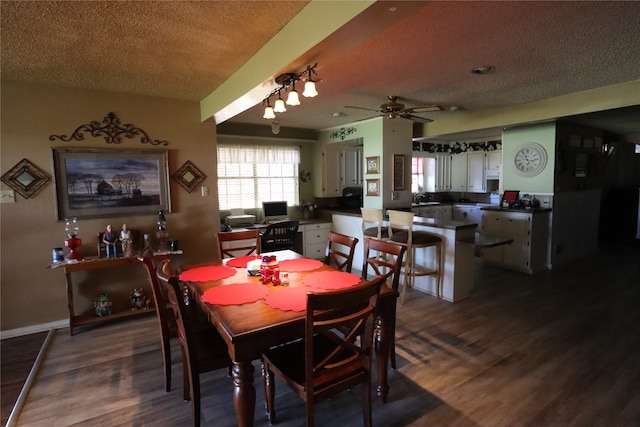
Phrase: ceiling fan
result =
(393, 109)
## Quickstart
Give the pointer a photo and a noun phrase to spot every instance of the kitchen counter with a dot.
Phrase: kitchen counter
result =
(523, 210)
(457, 279)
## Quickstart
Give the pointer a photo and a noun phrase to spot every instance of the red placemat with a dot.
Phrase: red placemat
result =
(292, 265)
(204, 274)
(292, 299)
(330, 280)
(235, 293)
(241, 261)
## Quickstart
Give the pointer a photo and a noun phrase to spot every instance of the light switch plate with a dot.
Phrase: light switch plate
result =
(7, 196)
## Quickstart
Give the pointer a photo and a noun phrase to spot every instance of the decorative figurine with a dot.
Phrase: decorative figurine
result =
(127, 243)
(139, 300)
(109, 239)
(102, 305)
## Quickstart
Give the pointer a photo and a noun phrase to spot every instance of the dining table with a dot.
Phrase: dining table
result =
(252, 316)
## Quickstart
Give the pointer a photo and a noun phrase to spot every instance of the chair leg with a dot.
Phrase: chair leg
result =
(407, 273)
(186, 383)
(269, 393)
(392, 343)
(195, 398)
(366, 403)
(166, 362)
(439, 271)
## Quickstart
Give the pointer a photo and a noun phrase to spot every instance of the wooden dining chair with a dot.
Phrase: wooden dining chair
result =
(164, 313)
(325, 362)
(340, 250)
(203, 349)
(238, 243)
(279, 236)
(389, 266)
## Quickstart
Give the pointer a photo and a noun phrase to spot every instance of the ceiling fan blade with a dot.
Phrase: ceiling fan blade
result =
(361, 108)
(415, 118)
(423, 109)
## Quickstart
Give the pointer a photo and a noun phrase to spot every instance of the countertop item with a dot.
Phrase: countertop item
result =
(525, 210)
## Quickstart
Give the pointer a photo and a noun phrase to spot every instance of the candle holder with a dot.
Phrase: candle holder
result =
(72, 242)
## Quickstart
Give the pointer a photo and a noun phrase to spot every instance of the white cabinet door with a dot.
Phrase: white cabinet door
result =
(475, 172)
(315, 238)
(459, 172)
(331, 185)
(443, 172)
(351, 167)
(494, 164)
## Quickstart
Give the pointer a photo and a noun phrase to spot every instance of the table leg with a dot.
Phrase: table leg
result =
(382, 347)
(67, 276)
(244, 393)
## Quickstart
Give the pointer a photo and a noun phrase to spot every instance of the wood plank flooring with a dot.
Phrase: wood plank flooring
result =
(560, 348)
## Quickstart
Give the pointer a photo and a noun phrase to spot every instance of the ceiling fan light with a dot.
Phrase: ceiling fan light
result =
(279, 106)
(310, 89)
(268, 113)
(293, 98)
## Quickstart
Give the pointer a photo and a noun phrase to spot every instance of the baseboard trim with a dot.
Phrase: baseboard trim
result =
(27, 330)
(26, 388)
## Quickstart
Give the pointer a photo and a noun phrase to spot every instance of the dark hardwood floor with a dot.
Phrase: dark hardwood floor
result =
(560, 348)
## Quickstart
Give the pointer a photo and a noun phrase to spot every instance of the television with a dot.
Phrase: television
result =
(274, 211)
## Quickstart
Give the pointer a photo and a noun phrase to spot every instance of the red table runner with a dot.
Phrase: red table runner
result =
(284, 298)
(205, 274)
(236, 293)
(330, 280)
(241, 261)
(293, 265)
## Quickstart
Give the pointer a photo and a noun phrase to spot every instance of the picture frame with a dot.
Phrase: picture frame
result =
(373, 187)
(373, 164)
(582, 165)
(398, 172)
(95, 183)
(25, 178)
(188, 176)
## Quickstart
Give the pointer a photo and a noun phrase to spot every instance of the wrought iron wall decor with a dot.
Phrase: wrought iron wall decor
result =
(26, 178)
(111, 129)
(342, 133)
(188, 176)
(457, 147)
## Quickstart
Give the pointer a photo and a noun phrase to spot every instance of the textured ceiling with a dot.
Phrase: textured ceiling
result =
(186, 50)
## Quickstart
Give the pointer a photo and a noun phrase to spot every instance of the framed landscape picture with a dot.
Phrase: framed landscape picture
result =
(94, 183)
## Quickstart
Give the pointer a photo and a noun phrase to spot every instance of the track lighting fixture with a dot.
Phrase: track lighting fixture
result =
(285, 81)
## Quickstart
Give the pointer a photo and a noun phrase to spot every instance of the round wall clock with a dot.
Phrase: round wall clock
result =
(529, 159)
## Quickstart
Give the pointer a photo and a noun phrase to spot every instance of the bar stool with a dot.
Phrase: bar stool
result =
(372, 224)
(401, 231)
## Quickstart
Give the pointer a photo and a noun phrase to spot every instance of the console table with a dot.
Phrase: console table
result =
(94, 263)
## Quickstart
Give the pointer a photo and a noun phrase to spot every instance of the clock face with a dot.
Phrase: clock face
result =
(530, 159)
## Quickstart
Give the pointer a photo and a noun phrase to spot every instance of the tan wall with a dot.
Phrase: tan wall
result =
(31, 294)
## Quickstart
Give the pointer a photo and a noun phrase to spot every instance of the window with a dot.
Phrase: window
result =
(423, 174)
(249, 175)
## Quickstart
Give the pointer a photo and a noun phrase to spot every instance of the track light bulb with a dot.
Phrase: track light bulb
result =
(268, 113)
(310, 89)
(293, 98)
(279, 106)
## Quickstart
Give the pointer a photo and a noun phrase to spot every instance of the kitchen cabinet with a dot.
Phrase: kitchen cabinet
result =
(493, 164)
(443, 172)
(331, 185)
(351, 167)
(437, 212)
(475, 172)
(315, 238)
(467, 213)
(459, 172)
(529, 231)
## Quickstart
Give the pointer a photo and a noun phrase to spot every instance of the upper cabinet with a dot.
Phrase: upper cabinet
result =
(493, 167)
(351, 164)
(459, 172)
(341, 167)
(475, 172)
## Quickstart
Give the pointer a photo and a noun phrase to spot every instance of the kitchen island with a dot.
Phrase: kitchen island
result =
(458, 252)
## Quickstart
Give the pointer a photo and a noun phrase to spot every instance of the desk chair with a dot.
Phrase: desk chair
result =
(401, 231)
(164, 313)
(387, 263)
(230, 246)
(203, 349)
(279, 236)
(325, 363)
(335, 252)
